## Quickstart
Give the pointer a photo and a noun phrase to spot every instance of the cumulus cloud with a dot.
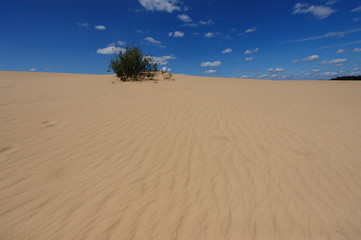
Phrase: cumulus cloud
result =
(163, 60)
(316, 70)
(165, 69)
(210, 72)
(358, 9)
(333, 61)
(341, 50)
(251, 51)
(152, 40)
(160, 5)
(208, 22)
(307, 59)
(357, 50)
(176, 34)
(320, 12)
(110, 50)
(248, 58)
(113, 48)
(249, 30)
(99, 27)
(32, 69)
(228, 50)
(184, 18)
(263, 75)
(331, 73)
(287, 76)
(276, 70)
(211, 64)
(209, 35)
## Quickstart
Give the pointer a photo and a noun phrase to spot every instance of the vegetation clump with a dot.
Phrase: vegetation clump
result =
(132, 65)
(353, 78)
(166, 75)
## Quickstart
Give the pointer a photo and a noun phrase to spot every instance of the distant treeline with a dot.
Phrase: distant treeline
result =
(347, 78)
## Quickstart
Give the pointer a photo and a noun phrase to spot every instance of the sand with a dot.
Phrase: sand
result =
(88, 157)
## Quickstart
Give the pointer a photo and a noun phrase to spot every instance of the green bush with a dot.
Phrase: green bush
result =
(347, 78)
(166, 75)
(132, 65)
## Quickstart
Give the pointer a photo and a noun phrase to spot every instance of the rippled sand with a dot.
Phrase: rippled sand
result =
(87, 157)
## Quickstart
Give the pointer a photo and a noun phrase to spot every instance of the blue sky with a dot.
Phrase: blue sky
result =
(251, 39)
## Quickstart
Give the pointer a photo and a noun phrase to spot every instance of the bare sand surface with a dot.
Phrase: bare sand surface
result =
(196, 158)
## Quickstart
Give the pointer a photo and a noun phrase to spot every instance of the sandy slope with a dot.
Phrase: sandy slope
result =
(196, 158)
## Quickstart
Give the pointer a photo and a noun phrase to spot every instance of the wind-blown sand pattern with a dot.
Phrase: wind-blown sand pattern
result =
(195, 158)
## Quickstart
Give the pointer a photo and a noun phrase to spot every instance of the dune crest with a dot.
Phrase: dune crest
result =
(194, 158)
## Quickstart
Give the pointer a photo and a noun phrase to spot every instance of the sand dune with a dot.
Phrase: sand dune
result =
(196, 158)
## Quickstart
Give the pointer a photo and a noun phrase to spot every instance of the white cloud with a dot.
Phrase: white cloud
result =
(331, 73)
(184, 18)
(341, 44)
(113, 48)
(244, 76)
(176, 34)
(358, 9)
(316, 70)
(263, 75)
(328, 35)
(121, 43)
(276, 70)
(249, 30)
(341, 50)
(110, 50)
(211, 64)
(190, 25)
(331, 2)
(163, 60)
(357, 50)
(307, 59)
(160, 5)
(355, 19)
(165, 69)
(208, 22)
(32, 69)
(86, 25)
(320, 12)
(210, 72)
(195, 34)
(209, 35)
(333, 61)
(248, 58)
(152, 40)
(251, 51)
(228, 50)
(287, 76)
(100, 27)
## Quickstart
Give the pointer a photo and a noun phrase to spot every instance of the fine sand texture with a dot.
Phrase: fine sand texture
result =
(193, 158)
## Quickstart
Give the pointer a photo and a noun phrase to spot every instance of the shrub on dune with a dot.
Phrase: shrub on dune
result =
(132, 65)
